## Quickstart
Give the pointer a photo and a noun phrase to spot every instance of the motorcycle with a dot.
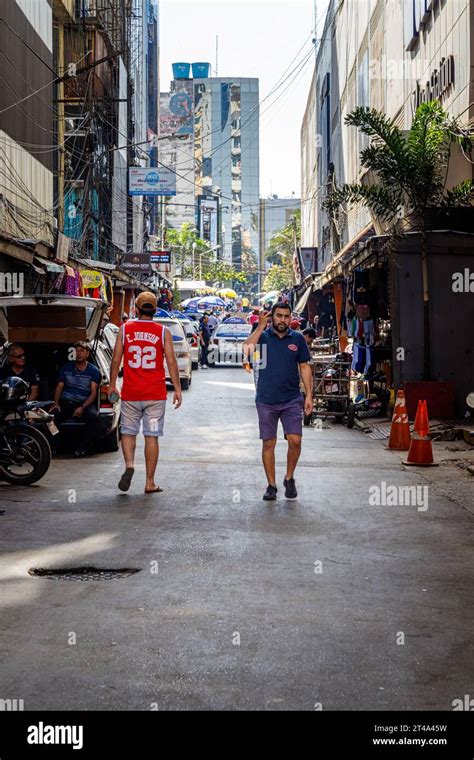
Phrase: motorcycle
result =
(25, 453)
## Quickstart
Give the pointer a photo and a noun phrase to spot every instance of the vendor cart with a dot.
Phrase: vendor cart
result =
(331, 375)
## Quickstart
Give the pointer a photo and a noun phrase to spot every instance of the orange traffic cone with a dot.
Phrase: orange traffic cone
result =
(421, 448)
(400, 430)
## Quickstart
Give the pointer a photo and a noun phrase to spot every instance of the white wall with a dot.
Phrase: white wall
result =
(29, 185)
(40, 16)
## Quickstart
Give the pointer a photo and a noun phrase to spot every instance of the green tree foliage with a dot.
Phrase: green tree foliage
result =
(278, 278)
(222, 274)
(280, 252)
(187, 246)
(410, 168)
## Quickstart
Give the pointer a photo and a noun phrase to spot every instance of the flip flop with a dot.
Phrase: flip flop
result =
(155, 490)
(126, 479)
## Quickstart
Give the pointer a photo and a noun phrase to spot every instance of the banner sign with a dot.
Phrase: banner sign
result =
(136, 262)
(160, 257)
(151, 181)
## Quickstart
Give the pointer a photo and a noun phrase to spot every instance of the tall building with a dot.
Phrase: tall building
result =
(392, 56)
(101, 125)
(213, 125)
(152, 32)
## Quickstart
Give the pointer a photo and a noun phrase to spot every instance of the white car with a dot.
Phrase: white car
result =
(225, 348)
(191, 329)
(182, 351)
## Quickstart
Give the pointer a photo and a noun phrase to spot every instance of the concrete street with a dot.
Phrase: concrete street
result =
(327, 601)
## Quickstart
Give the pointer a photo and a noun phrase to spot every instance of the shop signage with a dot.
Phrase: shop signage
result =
(136, 262)
(309, 258)
(160, 257)
(150, 181)
(438, 85)
(417, 15)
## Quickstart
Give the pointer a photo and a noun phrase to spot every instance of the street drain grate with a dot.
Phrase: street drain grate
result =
(82, 573)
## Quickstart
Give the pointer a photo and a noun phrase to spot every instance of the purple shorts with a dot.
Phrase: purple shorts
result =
(290, 413)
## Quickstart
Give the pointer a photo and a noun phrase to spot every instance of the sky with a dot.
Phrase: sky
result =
(256, 39)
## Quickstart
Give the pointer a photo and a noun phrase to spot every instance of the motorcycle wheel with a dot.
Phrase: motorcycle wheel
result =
(32, 455)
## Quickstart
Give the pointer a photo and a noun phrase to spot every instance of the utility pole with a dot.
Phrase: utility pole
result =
(61, 130)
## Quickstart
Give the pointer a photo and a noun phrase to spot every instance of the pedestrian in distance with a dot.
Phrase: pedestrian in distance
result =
(309, 334)
(212, 320)
(143, 345)
(205, 339)
(283, 362)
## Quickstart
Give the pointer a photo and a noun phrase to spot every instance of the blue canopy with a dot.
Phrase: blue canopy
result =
(179, 315)
(209, 302)
(163, 314)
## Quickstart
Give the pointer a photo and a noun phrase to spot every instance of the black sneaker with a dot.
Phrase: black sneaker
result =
(270, 494)
(290, 489)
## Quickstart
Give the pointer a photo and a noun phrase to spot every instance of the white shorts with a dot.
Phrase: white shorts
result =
(151, 412)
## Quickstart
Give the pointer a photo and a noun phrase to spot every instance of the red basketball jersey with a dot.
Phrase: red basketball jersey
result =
(143, 361)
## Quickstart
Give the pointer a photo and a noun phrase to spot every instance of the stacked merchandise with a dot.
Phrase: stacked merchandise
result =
(365, 320)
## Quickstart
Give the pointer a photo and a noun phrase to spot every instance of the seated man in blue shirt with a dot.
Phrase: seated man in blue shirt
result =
(283, 356)
(75, 396)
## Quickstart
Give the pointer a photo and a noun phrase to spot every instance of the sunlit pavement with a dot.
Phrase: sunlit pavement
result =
(327, 602)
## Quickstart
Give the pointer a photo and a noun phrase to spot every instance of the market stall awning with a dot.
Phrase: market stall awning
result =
(50, 266)
(300, 305)
(339, 265)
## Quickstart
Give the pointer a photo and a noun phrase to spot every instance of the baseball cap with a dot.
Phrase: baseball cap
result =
(82, 344)
(146, 300)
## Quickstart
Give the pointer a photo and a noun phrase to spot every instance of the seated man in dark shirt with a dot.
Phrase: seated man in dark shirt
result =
(16, 366)
(75, 396)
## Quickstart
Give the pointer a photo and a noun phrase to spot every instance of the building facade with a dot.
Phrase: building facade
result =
(213, 126)
(153, 100)
(26, 119)
(390, 55)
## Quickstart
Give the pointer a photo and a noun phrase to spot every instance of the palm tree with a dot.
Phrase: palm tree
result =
(280, 253)
(189, 249)
(411, 169)
(283, 243)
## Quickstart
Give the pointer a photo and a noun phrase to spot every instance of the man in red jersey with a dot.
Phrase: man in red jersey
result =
(143, 345)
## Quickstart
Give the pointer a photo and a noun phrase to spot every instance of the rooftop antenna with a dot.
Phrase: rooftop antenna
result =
(217, 55)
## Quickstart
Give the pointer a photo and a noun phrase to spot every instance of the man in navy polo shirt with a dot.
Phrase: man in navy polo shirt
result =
(283, 360)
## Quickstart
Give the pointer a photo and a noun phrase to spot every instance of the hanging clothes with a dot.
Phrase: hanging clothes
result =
(361, 286)
(70, 284)
(369, 332)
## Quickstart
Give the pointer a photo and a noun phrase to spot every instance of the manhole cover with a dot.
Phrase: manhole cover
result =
(82, 573)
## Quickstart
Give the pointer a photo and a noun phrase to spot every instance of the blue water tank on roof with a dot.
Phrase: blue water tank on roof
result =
(181, 70)
(201, 70)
